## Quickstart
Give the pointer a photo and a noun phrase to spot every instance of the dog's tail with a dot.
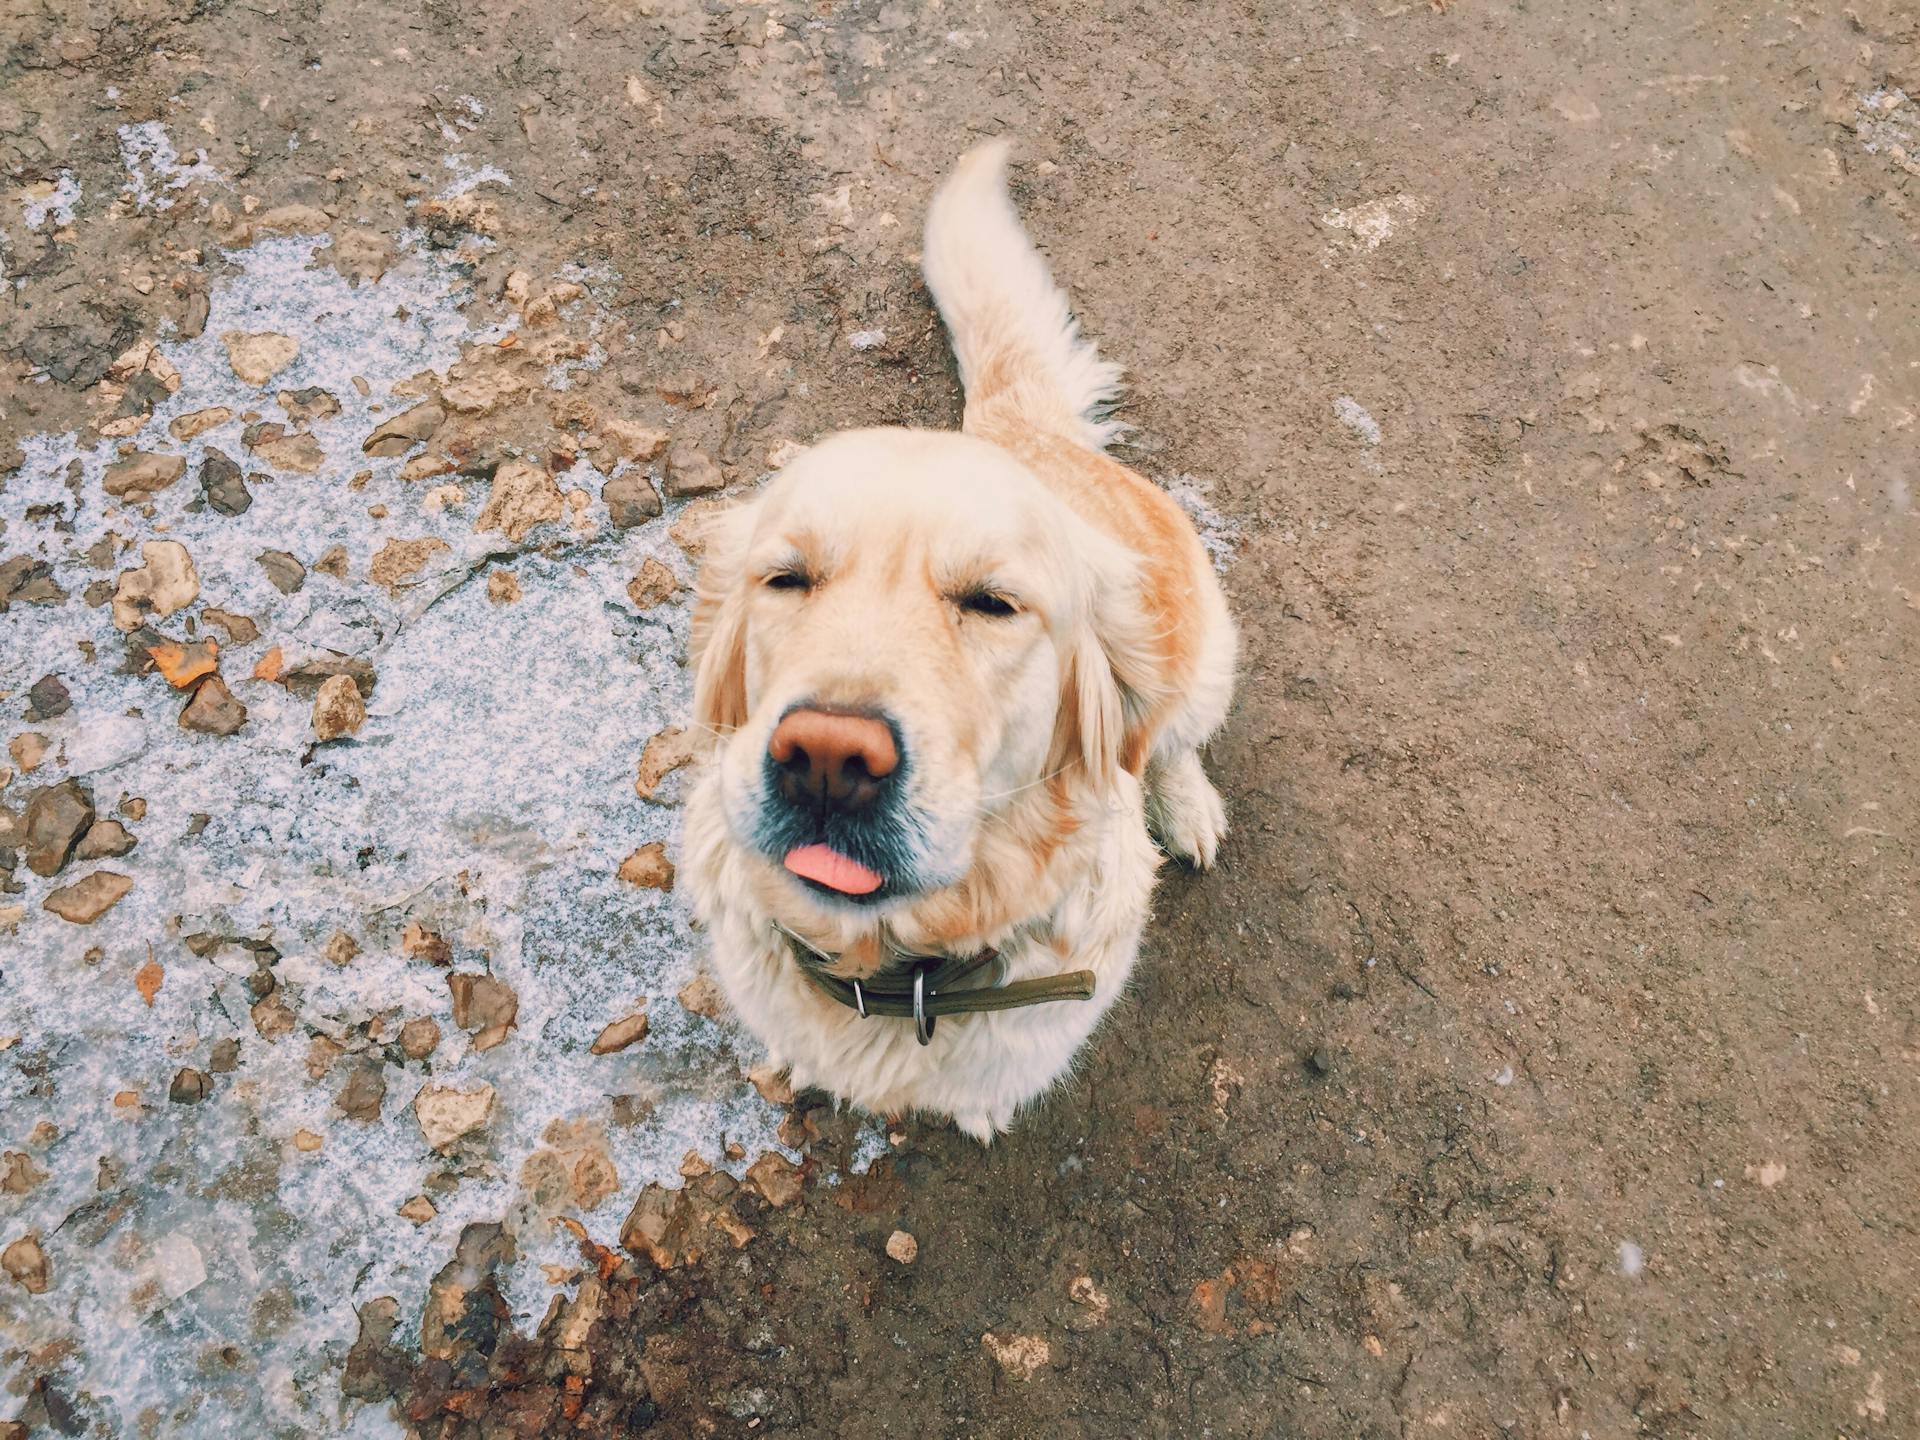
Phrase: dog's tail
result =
(1020, 351)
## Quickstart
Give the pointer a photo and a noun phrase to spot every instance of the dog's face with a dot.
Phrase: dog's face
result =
(899, 636)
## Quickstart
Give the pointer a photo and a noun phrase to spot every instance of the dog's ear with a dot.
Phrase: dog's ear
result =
(1111, 686)
(719, 645)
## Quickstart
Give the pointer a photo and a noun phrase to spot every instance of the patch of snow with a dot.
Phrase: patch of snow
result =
(1217, 533)
(1367, 227)
(52, 201)
(154, 167)
(1633, 1259)
(466, 177)
(1352, 414)
(867, 339)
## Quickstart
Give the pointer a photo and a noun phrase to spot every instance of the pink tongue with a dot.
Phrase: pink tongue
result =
(828, 867)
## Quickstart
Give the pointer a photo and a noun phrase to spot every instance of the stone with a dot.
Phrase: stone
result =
(902, 1247)
(400, 560)
(25, 580)
(104, 840)
(445, 1113)
(193, 323)
(306, 1141)
(225, 487)
(198, 422)
(654, 584)
(692, 530)
(360, 254)
(776, 1178)
(700, 996)
(286, 573)
(28, 749)
(425, 466)
(142, 476)
(341, 948)
(224, 1057)
(523, 496)
(240, 629)
(419, 943)
(484, 1006)
(503, 587)
(47, 699)
(26, 1263)
(361, 1097)
(664, 754)
(298, 452)
(312, 403)
(189, 1086)
(648, 867)
(213, 710)
(164, 583)
(419, 1038)
(333, 562)
(338, 709)
(630, 441)
(271, 1018)
(630, 1030)
(183, 665)
(1019, 1356)
(293, 220)
(772, 1083)
(55, 819)
(630, 499)
(419, 1210)
(691, 471)
(257, 358)
(308, 676)
(404, 431)
(86, 900)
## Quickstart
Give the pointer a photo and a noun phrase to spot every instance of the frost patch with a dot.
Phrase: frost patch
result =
(867, 339)
(50, 200)
(154, 166)
(1352, 414)
(467, 177)
(1217, 533)
(1367, 227)
(1887, 126)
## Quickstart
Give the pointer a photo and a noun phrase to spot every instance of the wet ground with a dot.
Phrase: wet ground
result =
(1541, 1059)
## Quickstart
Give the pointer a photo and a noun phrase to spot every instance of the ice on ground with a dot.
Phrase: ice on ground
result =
(488, 799)
(154, 166)
(1217, 533)
(1355, 416)
(50, 200)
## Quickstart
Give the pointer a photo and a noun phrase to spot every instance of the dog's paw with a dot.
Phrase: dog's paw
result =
(1186, 812)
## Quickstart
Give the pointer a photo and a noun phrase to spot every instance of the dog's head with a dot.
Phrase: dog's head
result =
(898, 640)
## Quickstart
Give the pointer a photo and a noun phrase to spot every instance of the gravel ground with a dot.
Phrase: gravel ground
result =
(1540, 1061)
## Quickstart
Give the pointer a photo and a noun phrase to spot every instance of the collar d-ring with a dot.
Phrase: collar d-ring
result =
(922, 1021)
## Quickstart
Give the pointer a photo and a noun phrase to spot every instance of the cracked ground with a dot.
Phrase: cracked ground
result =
(1541, 1059)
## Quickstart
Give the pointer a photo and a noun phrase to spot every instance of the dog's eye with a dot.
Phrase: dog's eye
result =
(986, 602)
(788, 580)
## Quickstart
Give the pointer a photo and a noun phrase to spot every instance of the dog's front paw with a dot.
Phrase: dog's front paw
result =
(1185, 811)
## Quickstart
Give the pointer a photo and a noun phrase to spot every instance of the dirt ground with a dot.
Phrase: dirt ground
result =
(1541, 1060)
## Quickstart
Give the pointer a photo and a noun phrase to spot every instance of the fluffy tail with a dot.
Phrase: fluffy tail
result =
(1020, 352)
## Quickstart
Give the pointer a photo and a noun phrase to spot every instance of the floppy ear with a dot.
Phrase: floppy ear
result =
(1111, 687)
(718, 649)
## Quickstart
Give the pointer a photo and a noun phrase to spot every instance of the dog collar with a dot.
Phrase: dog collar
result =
(927, 990)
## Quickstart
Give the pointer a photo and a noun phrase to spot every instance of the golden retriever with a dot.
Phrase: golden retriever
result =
(948, 682)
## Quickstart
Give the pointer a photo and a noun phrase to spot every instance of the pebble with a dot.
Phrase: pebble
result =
(772, 1083)
(664, 754)
(198, 422)
(648, 867)
(902, 1247)
(503, 587)
(631, 441)
(341, 948)
(86, 900)
(56, 817)
(28, 749)
(399, 561)
(404, 431)
(256, 359)
(523, 496)
(333, 562)
(1019, 1356)
(445, 1114)
(776, 1178)
(483, 1006)
(26, 1262)
(691, 471)
(240, 629)
(182, 665)
(630, 1030)
(189, 1087)
(419, 1210)
(299, 452)
(164, 583)
(700, 996)
(312, 403)
(361, 1097)
(104, 840)
(286, 573)
(630, 499)
(142, 476)
(213, 710)
(222, 482)
(48, 699)
(419, 1038)
(224, 1057)
(654, 584)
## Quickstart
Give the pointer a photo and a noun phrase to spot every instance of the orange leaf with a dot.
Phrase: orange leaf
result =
(147, 979)
(184, 664)
(271, 667)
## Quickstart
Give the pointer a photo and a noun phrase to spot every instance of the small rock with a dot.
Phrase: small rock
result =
(256, 359)
(104, 840)
(224, 1057)
(419, 1210)
(404, 431)
(691, 471)
(183, 665)
(648, 867)
(213, 710)
(293, 220)
(56, 817)
(902, 1247)
(686, 389)
(400, 560)
(665, 753)
(783, 453)
(503, 587)
(445, 1114)
(27, 1263)
(419, 1038)
(341, 948)
(776, 1178)
(142, 476)
(360, 254)
(308, 676)
(621, 1033)
(1320, 1061)
(48, 699)
(772, 1083)
(224, 485)
(272, 1018)
(523, 496)
(692, 531)
(299, 452)
(198, 422)
(193, 323)
(333, 562)
(286, 573)
(189, 1087)
(312, 403)
(28, 749)
(1020, 1356)
(654, 584)
(164, 583)
(85, 901)
(630, 499)
(700, 996)
(27, 581)
(631, 441)
(360, 1098)
(306, 1141)
(419, 943)
(484, 1006)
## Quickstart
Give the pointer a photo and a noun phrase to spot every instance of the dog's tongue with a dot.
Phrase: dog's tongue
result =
(826, 866)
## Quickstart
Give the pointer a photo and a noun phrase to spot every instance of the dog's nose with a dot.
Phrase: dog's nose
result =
(824, 759)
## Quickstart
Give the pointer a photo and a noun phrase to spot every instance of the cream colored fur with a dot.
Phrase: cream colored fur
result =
(1039, 746)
